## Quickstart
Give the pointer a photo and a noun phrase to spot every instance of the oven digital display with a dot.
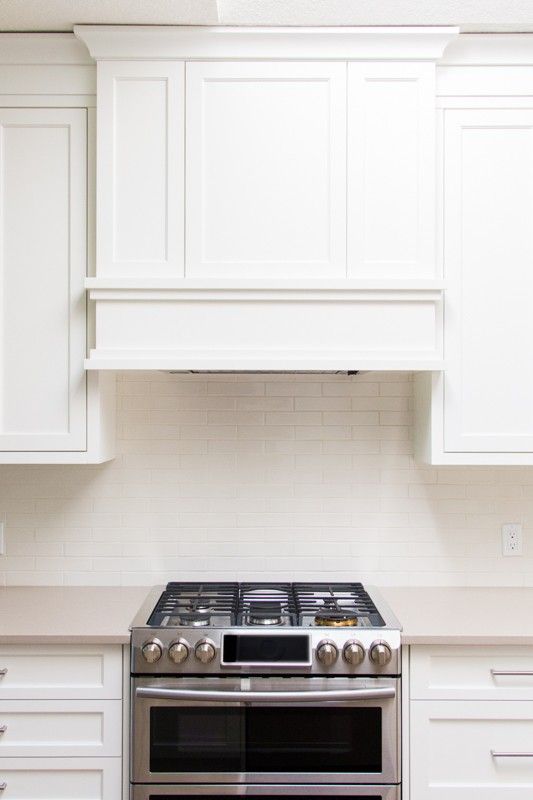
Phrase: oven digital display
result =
(261, 649)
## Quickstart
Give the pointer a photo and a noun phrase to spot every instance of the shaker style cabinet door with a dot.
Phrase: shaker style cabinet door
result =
(43, 168)
(488, 259)
(265, 170)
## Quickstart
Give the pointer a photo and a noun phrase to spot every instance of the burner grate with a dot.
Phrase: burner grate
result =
(335, 599)
(198, 604)
(196, 600)
(267, 603)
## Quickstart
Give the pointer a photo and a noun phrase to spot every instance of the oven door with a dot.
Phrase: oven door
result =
(265, 730)
(278, 792)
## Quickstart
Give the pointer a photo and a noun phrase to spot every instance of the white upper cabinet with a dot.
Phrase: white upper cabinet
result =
(43, 261)
(51, 410)
(391, 170)
(266, 198)
(481, 409)
(140, 169)
(266, 170)
(488, 386)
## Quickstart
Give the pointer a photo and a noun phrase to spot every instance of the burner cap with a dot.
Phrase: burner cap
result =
(196, 619)
(265, 614)
(335, 619)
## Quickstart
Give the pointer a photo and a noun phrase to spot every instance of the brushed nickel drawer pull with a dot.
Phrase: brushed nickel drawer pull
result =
(3, 728)
(510, 754)
(3, 786)
(3, 672)
(512, 672)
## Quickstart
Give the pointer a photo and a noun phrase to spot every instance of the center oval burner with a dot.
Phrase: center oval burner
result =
(265, 614)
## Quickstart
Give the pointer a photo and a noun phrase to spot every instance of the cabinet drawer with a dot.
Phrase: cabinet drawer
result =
(61, 778)
(48, 728)
(453, 746)
(60, 672)
(471, 673)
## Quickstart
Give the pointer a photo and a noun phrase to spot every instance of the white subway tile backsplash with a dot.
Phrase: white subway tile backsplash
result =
(268, 477)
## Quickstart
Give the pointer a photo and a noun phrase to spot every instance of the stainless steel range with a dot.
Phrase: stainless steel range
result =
(265, 689)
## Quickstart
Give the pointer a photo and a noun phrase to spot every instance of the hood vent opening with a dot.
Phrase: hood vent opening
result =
(261, 372)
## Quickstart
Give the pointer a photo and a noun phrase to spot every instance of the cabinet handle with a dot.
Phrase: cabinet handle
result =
(3, 786)
(511, 672)
(510, 754)
(3, 728)
(3, 672)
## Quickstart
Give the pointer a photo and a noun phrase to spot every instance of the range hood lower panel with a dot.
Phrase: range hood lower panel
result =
(298, 332)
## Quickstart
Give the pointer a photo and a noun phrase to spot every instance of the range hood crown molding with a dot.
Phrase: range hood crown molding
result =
(140, 42)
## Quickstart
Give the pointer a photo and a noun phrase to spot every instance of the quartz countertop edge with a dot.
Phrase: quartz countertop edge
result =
(435, 615)
(68, 614)
(428, 614)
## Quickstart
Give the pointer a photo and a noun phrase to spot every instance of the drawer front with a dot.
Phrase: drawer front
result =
(471, 750)
(471, 673)
(55, 728)
(61, 779)
(60, 672)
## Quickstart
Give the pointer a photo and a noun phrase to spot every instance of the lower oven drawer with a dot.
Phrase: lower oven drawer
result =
(287, 731)
(266, 792)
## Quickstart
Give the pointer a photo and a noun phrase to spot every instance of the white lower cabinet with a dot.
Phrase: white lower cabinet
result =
(61, 778)
(470, 749)
(61, 722)
(44, 728)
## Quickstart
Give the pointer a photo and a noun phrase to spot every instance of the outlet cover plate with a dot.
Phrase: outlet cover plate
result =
(512, 539)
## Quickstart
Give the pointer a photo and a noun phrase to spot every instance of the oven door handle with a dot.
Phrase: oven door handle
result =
(215, 696)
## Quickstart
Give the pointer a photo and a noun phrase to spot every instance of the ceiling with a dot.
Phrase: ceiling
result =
(471, 15)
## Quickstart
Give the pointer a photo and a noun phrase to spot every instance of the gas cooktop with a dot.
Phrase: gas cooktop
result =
(223, 605)
(219, 628)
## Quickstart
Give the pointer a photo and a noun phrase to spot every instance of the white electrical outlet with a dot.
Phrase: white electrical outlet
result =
(512, 539)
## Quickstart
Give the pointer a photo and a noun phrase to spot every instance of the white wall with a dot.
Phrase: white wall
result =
(271, 477)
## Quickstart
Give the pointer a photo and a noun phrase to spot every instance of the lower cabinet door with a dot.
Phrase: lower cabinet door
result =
(55, 728)
(61, 778)
(471, 750)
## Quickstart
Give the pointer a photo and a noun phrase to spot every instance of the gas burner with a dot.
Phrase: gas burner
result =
(196, 619)
(265, 614)
(335, 619)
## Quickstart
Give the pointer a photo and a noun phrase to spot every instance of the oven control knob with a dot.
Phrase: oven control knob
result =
(152, 651)
(178, 651)
(327, 652)
(205, 651)
(380, 653)
(353, 653)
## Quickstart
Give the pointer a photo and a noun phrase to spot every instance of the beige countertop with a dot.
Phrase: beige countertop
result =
(428, 615)
(68, 614)
(458, 615)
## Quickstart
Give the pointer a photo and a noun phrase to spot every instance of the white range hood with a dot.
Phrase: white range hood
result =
(266, 198)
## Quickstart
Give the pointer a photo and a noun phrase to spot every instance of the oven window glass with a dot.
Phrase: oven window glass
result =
(265, 739)
(311, 739)
(196, 739)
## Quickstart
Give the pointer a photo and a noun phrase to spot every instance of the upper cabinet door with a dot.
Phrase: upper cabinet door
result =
(266, 170)
(391, 170)
(140, 173)
(488, 179)
(43, 168)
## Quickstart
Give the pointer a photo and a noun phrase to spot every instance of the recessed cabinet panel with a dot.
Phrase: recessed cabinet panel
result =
(61, 778)
(488, 385)
(43, 169)
(140, 169)
(391, 182)
(266, 170)
(471, 750)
